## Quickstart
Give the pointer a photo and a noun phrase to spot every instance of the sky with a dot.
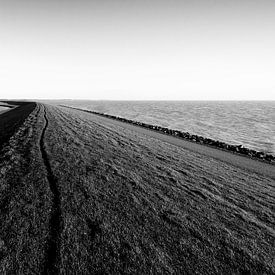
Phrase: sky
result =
(137, 49)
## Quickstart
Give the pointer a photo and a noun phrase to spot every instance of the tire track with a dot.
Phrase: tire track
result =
(52, 250)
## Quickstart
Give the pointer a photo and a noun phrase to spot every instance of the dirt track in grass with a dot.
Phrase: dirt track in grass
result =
(129, 203)
(52, 249)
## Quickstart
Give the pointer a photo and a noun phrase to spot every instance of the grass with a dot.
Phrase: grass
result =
(25, 197)
(127, 204)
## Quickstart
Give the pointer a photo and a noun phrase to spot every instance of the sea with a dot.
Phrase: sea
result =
(3, 109)
(247, 123)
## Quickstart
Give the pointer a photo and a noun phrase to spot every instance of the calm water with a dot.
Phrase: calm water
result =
(251, 124)
(3, 108)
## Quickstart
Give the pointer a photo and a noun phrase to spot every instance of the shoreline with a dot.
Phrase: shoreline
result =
(239, 150)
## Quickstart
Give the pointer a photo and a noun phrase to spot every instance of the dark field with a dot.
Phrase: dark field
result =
(80, 194)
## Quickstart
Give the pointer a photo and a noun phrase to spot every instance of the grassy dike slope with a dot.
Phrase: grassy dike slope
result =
(25, 197)
(131, 203)
(81, 196)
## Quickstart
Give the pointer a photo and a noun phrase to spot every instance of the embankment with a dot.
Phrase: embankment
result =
(257, 165)
(25, 196)
(238, 149)
(128, 202)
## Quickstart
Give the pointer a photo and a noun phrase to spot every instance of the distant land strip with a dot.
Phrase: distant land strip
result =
(236, 149)
(7, 106)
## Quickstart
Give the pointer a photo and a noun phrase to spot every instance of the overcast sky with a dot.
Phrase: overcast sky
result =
(127, 49)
